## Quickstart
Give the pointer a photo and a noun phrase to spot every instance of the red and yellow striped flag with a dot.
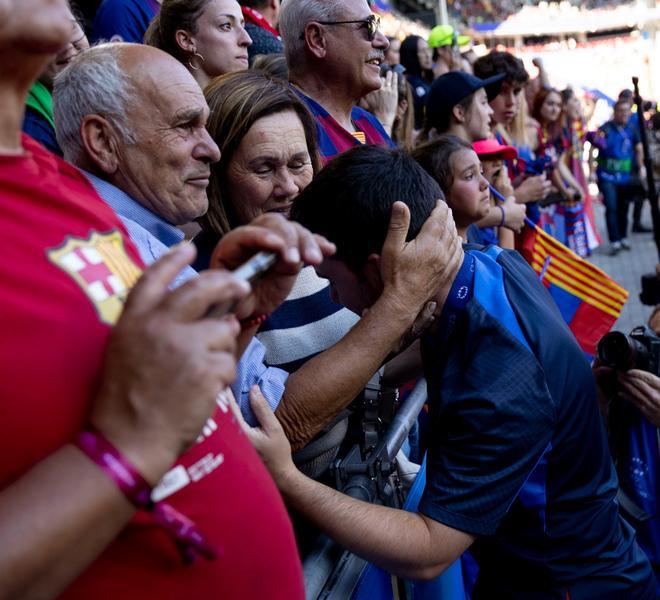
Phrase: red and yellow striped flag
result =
(588, 298)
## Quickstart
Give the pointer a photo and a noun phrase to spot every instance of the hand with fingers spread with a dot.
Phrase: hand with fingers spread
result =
(642, 389)
(166, 363)
(424, 268)
(294, 245)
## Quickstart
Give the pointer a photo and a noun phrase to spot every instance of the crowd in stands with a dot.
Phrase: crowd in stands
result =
(479, 12)
(172, 408)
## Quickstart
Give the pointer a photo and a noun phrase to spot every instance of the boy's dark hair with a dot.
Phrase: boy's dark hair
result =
(435, 158)
(350, 200)
(501, 62)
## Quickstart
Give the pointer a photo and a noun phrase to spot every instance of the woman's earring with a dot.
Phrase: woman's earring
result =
(191, 63)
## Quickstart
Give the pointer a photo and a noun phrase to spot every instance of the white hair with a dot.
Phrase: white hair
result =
(294, 17)
(93, 84)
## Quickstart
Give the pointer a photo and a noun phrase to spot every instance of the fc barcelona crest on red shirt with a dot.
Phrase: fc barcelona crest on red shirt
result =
(100, 265)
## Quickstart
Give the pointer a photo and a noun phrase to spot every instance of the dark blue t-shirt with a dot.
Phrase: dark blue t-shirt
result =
(123, 20)
(517, 451)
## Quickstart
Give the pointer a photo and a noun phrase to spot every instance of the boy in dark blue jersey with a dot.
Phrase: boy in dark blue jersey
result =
(518, 467)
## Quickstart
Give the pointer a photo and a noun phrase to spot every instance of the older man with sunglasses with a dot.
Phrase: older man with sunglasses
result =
(334, 49)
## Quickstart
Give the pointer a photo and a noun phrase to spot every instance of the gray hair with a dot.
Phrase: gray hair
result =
(294, 17)
(93, 84)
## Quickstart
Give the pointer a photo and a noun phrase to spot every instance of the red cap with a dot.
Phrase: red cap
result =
(491, 147)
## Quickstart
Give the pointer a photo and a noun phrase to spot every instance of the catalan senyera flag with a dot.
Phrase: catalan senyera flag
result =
(588, 298)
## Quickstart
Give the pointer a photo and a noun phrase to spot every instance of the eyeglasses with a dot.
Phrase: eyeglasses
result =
(371, 24)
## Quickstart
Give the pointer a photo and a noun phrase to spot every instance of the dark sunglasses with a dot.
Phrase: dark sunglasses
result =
(371, 24)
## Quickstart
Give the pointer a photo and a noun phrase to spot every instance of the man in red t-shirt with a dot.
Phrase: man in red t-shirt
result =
(143, 370)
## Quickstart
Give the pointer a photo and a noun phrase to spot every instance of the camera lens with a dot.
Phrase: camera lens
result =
(622, 352)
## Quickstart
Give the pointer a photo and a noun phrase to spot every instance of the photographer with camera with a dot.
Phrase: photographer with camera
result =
(628, 374)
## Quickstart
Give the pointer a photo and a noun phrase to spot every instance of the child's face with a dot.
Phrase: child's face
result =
(478, 117)
(506, 104)
(469, 197)
(551, 108)
(492, 168)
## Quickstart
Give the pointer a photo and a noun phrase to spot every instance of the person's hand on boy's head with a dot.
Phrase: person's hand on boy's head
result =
(413, 272)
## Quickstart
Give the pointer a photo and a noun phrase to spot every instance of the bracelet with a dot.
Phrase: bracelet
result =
(503, 215)
(186, 535)
(253, 321)
(97, 447)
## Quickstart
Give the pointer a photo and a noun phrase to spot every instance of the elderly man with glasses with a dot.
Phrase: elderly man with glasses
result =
(334, 49)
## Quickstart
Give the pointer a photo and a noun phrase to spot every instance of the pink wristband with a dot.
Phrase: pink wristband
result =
(186, 535)
(116, 467)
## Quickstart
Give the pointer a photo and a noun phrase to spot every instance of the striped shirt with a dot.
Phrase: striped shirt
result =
(334, 139)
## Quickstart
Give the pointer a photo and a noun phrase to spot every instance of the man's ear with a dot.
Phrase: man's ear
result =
(100, 142)
(315, 40)
(185, 41)
(458, 112)
(372, 274)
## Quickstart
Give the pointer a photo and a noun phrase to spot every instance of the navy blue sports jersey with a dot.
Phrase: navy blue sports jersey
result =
(517, 451)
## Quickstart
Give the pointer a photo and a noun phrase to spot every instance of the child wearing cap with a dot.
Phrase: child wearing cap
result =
(458, 104)
(492, 155)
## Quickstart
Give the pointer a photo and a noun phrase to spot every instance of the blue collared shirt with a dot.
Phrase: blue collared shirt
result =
(153, 237)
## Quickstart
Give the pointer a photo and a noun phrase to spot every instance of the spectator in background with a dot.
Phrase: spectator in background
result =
(528, 188)
(654, 144)
(261, 18)
(392, 54)
(458, 105)
(575, 131)
(637, 187)
(563, 217)
(334, 51)
(207, 36)
(618, 146)
(453, 163)
(123, 20)
(446, 44)
(417, 59)
(492, 155)
(38, 121)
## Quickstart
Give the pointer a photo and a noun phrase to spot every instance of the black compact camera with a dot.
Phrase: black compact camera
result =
(639, 350)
